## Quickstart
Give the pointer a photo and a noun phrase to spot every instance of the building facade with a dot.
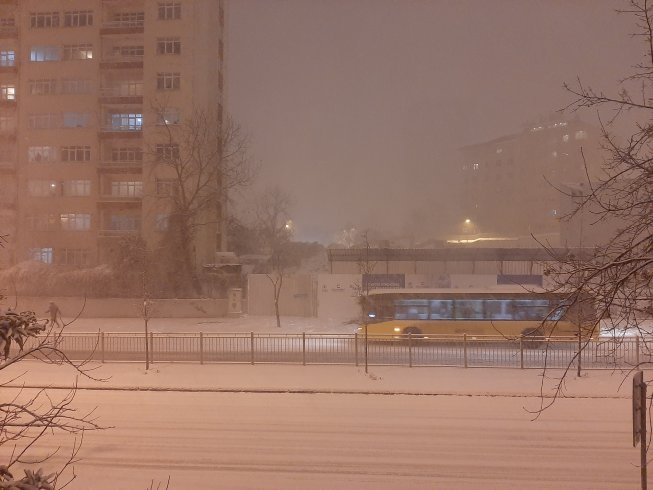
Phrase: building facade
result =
(511, 186)
(89, 92)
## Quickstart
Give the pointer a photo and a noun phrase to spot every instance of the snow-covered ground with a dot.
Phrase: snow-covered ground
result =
(327, 427)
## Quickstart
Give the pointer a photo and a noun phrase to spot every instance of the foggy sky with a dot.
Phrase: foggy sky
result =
(356, 107)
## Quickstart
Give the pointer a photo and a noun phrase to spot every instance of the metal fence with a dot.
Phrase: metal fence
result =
(255, 348)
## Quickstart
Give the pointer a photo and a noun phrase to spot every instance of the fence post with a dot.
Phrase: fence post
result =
(521, 351)
(201, 348)
(465, 348)
(102, 346)
(251, 345)
(304, 348)
(151, 347)
(410, 349)
(637, 351)
(356, 349)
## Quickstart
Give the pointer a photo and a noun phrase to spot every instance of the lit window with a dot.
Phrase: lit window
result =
(7, 92)
(126, 122)
(168, 81)
(169, 10)
(475, 166)
(565, 137)
(43, 19)
(7, 58)
(76, 119)
(168, 45)
(75, 153)
(78, 51)
(45, 53)
(168, 117)
(78, 18)
(41, 154)
(75, 221)
(42, 188)
(41, 254)
(46, 86)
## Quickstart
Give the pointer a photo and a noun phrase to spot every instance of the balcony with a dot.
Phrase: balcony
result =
(121, 166)
(125, 132)
(8, 31)
(122, 94)
(124, 23)
(8, 66)
(111, 61)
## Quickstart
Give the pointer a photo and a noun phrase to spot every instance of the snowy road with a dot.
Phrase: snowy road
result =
(325, 441)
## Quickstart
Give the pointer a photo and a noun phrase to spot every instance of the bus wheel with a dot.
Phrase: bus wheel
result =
(414, 332)
(533, 337)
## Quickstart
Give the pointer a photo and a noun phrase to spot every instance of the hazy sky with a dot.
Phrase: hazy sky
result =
(356, 107)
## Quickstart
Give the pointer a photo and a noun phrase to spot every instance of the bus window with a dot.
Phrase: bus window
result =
(441, 309)
(499, 309)
(531, 309)
(412, 309)
(469, 309)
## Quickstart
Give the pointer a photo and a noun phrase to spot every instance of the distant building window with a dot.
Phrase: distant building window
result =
(75, 86)
(41, 154)
(127, 154)
(565, 137)
(45, 86)
(475, 166)
(168, 81)
(41, 254)
(7, 92)
(168, 152)
(126, 122)
(169, 10)
(74, 256)
(75, 221)
(76, 119)
(82, 51)
(39, 20)
(7, 123)
(168, 117)
(132, 188)
(78, 18)
(7, 153)
(124, 88)
(43, 222)
(42, 188)
(77, 188)
(119, 222)
(128, 19)
(162, 221)
(580, 135)
(168, 45)
(45, 53)
(128, 51)
(7, 58)
(43, 121)
(165, 187)
(75, 153)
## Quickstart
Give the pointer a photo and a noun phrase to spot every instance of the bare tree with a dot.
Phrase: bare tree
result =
(205, 157)
(616, 275)
(273, 226)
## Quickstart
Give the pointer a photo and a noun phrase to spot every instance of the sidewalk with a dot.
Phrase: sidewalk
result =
(325, 379)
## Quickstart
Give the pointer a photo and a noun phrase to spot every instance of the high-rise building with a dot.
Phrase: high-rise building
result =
(513, 186)
(85, 89)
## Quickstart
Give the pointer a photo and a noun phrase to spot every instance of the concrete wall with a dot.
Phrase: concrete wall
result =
(122, 307)
(297, 295)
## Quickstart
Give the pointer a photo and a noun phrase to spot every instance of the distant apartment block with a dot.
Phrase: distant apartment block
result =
(514, 185)
(79, 134)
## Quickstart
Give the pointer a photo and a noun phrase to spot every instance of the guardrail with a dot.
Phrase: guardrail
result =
(308, 348)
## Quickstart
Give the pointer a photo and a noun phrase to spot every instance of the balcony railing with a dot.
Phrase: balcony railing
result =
(109, 198)
(121, 61)
(120, 163)
(129, 25)
(118, 233)
(131, 90)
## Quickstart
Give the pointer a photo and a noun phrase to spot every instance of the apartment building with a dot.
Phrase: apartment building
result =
(82, 84)
(512, 186)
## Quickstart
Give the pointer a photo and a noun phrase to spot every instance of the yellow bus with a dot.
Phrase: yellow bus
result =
(398, 313)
